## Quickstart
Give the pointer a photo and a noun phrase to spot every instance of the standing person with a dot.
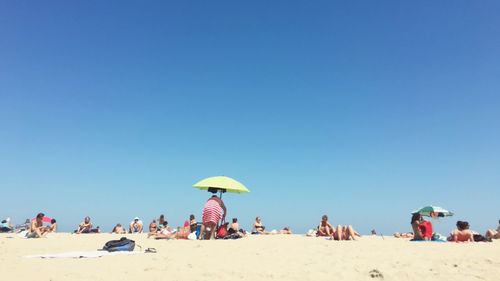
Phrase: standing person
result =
(213, 211)
(136, 226)
(37, 230)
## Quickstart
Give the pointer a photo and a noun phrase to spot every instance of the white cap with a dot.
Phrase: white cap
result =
(136, 218)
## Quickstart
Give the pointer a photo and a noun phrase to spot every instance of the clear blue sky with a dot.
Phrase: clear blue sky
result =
(362, 110)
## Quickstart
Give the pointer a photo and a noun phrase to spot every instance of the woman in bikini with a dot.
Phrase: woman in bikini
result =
(258, 227)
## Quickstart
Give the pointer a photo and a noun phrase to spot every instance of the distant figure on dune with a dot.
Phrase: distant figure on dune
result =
(462, 233)
(136, 226)
(213, 211)
(493, 234)
(286, 230)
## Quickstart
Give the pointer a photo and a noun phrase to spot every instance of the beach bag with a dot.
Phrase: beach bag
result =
(222, 231)
(123, 244)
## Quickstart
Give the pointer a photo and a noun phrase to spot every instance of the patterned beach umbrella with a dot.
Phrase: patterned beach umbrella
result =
(437, 211)
(221, 184)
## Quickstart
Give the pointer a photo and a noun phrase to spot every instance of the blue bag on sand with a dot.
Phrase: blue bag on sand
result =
(123, 244)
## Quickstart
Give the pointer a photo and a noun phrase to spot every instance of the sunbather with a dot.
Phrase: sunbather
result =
(258, 227)
(286, 230)
(118, 229)
(37, 230)
(53, 226)
(86, 227)
(416, 220)
(136, 226)
(213, 211)
(403, 235)
(325, 228)
(493, 234)
(161, 221)
(462, 233)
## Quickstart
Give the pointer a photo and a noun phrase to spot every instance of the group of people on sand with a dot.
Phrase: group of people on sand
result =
(422, 231)
(38, 229)
(341, 232)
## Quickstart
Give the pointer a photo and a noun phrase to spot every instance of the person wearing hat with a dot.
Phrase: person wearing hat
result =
(136, 226)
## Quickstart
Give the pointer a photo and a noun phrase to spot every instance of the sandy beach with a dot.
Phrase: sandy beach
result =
(277, 257)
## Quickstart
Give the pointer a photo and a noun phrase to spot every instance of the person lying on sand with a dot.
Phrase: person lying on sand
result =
(403, 235)
(118, 229)
(493, 234)
(345, 232)
(37, 230)
(462, 233)
(286, 230)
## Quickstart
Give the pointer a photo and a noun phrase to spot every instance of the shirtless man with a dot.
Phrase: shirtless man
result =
(85, 226)
(37, 230)
(462, 233)
(325, 228)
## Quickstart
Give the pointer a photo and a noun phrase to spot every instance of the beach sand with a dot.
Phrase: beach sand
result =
(276, 257)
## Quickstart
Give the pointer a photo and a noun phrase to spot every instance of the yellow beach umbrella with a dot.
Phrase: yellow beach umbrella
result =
(221, 184)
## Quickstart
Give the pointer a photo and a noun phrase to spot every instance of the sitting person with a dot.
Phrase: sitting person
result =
(118, 229)
(136, 226)
(154, 227)
(258, 227)
(493, 234)
(53, 226)
(462, 233)
(418, 228)
(161, 221)
(193, 225)
(325, 228)
(86, 227)
(234, 229)
(37, 230)
(165, 233)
